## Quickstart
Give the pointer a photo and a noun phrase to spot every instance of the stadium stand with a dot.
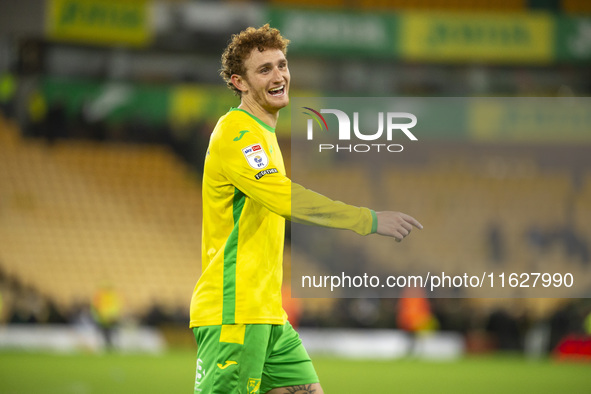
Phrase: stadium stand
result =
(79, 214)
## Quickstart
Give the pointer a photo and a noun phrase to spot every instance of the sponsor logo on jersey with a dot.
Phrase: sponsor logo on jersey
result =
(227, 364)
(199, 374)
(265, 172)
(256, 156)
(241, 135)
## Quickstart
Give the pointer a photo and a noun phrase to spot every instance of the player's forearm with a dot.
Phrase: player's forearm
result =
(309, 207)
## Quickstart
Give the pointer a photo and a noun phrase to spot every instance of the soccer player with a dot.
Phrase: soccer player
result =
(245, 343)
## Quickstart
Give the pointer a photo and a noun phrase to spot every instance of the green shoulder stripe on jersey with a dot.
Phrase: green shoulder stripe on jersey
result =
(230, 253)
(374, 221)
(266, 126)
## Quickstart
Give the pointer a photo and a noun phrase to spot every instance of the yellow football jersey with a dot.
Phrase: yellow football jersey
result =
(246, 199)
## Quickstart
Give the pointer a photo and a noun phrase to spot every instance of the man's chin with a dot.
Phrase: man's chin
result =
(285, 102)
(278, 104)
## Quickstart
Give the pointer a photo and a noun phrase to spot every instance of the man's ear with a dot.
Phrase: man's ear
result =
(239, 82)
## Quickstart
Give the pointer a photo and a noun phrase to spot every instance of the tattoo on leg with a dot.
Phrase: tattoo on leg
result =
(301, 389)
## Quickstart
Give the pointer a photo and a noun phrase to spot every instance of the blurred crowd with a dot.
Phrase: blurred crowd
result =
(21, 303)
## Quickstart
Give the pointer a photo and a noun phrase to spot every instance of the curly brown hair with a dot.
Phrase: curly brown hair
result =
(240, 46)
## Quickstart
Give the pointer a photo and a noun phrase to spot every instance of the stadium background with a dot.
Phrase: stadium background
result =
(106, 110)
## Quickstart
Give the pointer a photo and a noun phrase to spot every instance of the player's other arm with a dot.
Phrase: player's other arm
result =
(309, 207)
(294, 202)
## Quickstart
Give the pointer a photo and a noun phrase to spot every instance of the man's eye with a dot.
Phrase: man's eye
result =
(264, 70)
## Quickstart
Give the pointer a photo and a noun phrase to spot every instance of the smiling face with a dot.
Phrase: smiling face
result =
(265, 85)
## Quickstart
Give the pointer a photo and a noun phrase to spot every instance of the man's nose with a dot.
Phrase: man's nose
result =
(277, 74)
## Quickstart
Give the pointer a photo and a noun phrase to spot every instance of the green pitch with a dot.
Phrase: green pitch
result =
(173, 373)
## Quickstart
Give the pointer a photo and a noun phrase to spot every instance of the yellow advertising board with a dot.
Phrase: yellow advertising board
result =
(492, 38)
(99, 21)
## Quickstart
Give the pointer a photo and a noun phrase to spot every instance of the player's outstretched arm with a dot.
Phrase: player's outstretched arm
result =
(396, 224)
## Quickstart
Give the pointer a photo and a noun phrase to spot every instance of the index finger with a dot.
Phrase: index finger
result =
(412, 221)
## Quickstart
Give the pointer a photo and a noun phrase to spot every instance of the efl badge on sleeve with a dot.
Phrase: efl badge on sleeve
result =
(256, 156)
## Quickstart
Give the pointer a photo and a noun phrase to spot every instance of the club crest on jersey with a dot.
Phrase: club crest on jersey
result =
(253, 385)
(256, 156)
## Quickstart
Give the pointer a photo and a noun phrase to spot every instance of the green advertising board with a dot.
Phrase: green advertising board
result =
(337, 33)
(117, 102)
(112, 102)
(573, 39)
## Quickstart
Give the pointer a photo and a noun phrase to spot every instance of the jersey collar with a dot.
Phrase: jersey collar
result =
(266, 126)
